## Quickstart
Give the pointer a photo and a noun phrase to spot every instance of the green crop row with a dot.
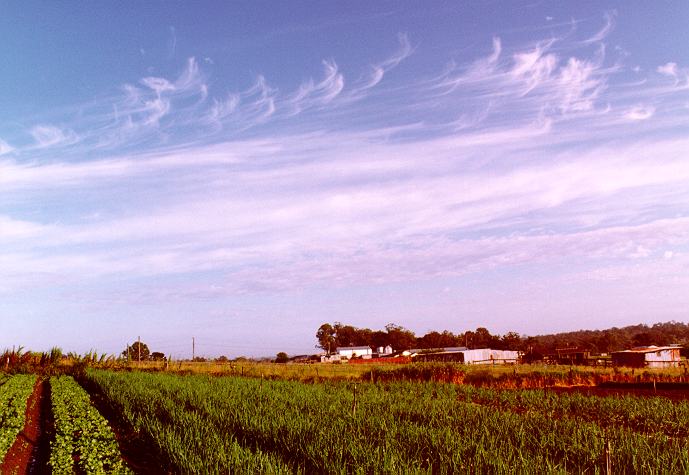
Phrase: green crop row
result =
(341, 427)
(14, 394)
(649, 415)
(82, 435)
(182, 436)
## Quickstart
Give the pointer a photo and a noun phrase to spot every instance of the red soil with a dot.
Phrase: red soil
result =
(23, 456)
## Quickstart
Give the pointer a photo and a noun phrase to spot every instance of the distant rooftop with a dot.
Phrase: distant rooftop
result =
(648, 349)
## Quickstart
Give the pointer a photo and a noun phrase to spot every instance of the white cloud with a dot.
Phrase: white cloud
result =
(668, 69)
(580, 87)
(533, 68)
(158, 85)
(50, 136)
(640, 112)
(378, 70)
(603, 33)
(380, 185)
(5, 147)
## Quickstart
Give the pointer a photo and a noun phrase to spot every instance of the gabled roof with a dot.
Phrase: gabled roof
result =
(340, 348)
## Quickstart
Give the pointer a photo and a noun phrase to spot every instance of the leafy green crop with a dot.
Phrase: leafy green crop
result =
(340, 427)
(14, 394)
(82, 435)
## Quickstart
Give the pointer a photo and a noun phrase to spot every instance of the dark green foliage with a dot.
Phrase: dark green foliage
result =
(137, 351)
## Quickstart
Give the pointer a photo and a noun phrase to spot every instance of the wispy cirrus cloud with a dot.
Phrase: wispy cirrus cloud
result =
(378, 70)
(50, 136)
(534, 152)
(640, 112)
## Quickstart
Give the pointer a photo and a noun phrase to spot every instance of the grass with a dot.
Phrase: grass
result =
(411, 427)
(505, 376)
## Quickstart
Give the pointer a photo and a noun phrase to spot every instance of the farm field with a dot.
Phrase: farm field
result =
(204, 425)
(153, 422)
(527, 375)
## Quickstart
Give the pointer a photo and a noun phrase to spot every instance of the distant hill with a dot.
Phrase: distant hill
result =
(611, 339)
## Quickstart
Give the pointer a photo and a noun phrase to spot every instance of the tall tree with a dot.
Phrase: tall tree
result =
(436, 339)
(511, 341)
(326, 337)
(137, 351)
(399, 337)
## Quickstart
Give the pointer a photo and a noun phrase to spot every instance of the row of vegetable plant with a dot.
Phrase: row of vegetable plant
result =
(182, 436)
(648, 415)
(341, 427)
(14, 394)
(83, 440)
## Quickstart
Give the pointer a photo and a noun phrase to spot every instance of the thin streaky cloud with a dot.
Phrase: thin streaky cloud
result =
(540, 155)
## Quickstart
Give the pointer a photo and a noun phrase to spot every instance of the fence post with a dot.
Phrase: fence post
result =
(608, 460)
(354, 403)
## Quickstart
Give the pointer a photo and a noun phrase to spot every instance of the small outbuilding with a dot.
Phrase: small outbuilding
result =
(572, 356)
(647, 356)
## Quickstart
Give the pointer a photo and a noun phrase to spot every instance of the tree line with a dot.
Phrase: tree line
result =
(331, 336)
(399, 338)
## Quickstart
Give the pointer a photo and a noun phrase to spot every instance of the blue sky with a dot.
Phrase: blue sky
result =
(242, 172)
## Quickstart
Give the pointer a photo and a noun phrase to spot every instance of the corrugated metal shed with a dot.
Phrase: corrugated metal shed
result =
(647, 356)
(466, 356)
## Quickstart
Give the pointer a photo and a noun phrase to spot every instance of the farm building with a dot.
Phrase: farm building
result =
(488, 356)
(349, 352)
(647, 356)
(449, 354)
(467, 356)
(572, 356)
(346, 353)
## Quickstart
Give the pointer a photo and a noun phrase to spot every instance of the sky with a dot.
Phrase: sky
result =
(242, 172)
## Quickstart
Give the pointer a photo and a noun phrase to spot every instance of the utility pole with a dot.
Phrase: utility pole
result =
(139, 340)
(128, 352)
(193, 348)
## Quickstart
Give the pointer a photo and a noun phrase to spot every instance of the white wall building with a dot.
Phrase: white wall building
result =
(352, 351)
(488, 356)
(466, 356)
